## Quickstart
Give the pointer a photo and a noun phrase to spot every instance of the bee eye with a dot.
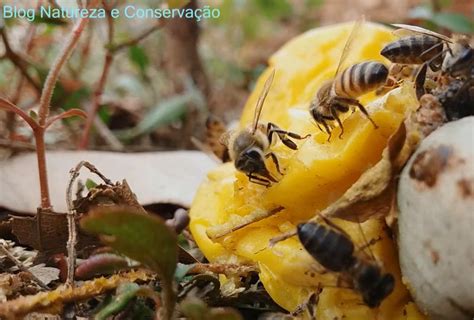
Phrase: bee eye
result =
(253, 154)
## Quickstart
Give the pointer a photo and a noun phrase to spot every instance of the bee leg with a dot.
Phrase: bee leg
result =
(326, 127)
(430, 49)
(275, 161)
(369, 243)
(361, 108)
(282, 134)
(420, 80)
(257, 180)
(339, 122)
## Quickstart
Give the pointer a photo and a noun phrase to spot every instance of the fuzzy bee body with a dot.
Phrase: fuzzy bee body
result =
(360, 78)
(459, 62)
(340, 94)
(335, 251)
(454, 56)
(337, 96)
(331, 249)
(249, 147)
(415, 49)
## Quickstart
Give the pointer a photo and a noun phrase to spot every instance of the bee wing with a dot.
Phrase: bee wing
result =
(406, 29)
(349, 42)
(261, 100)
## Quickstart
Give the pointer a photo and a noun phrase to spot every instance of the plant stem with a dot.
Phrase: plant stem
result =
(168, 299)
(43, 173)
(45, 101)
(53, 74)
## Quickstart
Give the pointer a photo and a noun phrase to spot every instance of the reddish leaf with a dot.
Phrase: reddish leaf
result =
(66, 114)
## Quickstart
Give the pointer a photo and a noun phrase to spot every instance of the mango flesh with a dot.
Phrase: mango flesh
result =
(315, 175)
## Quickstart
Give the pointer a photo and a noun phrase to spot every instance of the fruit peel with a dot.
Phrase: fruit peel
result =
(315, 176)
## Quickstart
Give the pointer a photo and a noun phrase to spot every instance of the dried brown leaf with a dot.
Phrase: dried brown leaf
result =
(371, 194)
(45, 274)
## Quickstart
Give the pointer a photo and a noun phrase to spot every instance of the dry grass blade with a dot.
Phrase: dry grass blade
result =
(63, 294)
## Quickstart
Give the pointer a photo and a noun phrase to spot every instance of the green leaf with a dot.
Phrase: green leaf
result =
(162, 114)
(75, 99)
(90, 184)
(139, 57)
(314, 3)
(33, 115)
(104, 114)
(274, 8)
(125, 293)
(454, 21)
(142, 237)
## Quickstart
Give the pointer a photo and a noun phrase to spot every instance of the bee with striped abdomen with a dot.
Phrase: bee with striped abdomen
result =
(454, 56)
(335, 251)
(249, 147)
(340, 94)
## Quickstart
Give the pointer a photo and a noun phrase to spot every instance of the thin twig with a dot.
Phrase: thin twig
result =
(18, 61)
(20, 266)
(96, 99)
(128, 43)
(18, 145)
(105, 133)
(71, 215)
(53, 74)
(220, 231)
(71, 224)
(222, 268)
(273, 241)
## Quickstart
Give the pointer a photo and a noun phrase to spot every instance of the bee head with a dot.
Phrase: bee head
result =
(459, 60)
(374, 285)
(252, 160)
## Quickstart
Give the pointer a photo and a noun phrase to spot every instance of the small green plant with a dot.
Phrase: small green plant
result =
(40, 123)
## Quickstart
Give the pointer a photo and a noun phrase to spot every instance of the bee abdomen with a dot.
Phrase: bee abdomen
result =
(412, 49)
(361, 78)
(331, 249)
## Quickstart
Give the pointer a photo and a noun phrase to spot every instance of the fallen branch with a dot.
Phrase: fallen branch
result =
(71, 214)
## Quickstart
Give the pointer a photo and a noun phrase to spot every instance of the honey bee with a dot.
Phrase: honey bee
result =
(335, 251)
(453, 56)
(338, 95)
(249, 148)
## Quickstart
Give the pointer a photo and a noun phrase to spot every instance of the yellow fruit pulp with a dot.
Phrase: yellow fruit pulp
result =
(315, 175)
